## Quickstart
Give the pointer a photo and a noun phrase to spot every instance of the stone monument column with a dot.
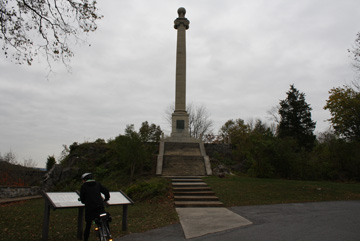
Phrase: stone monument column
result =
(180, 118)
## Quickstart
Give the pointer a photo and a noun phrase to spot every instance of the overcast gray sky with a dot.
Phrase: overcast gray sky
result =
(242, 57)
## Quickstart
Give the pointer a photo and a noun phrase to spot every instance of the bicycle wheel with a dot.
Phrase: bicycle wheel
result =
(102, 235)
(107, 231)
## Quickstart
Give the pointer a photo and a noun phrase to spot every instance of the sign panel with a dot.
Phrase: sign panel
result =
(64, 199)
(117, 198)
(70, 199)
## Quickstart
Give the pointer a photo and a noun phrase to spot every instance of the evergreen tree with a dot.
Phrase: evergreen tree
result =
(50, 162)
(295, 119)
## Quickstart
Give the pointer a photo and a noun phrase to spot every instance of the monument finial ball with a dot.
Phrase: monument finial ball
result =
(181, 12)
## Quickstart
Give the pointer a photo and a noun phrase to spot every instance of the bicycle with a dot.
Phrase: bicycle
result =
(102, 227)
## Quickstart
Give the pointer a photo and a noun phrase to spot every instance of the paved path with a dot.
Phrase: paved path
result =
(330, 221)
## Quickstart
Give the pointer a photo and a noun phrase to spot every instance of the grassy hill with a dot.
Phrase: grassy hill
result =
(17, 175)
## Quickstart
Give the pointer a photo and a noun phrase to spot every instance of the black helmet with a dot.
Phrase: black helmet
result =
(86, 176)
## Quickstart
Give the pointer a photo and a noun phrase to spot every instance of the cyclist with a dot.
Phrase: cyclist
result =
(90, 195)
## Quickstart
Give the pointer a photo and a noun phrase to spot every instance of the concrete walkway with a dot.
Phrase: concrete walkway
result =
(196, 222)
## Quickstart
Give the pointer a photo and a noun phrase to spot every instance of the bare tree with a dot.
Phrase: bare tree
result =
(64, 153)
(356, 52)
(274, 114)
(29, 163)
(356, 84)
(168, 114)
(30, 27)
(9, 157)
(200, 123)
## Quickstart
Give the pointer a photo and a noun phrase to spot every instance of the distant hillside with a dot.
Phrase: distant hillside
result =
(17, 175)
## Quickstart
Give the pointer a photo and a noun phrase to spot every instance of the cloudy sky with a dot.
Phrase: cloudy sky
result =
(242, 57)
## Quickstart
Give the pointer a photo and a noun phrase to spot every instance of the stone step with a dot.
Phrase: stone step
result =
(170, 145)
(194, 193)
(191, 189)
(198, 204)
(186, 180)
(181, 148)
(184, 177)
(182, 152)
(175, 171)
(196, 198)
(183, 159)
(183, 166)
(189, 184)
(186, 157)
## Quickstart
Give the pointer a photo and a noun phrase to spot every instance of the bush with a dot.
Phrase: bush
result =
(147, 190)
(338, 160)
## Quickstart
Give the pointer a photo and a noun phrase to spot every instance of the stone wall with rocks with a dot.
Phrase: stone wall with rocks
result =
(57, 174)
(222, 149)
(13, 192)
(217, 153)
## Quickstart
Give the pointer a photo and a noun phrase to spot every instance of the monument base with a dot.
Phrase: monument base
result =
(180, 127)
(174, 138)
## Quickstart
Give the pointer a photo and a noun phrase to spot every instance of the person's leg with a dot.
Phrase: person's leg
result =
(87, 230)
(109, 219)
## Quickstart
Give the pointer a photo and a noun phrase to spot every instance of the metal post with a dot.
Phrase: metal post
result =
(45, 232)
(124, 221)
(80, 223)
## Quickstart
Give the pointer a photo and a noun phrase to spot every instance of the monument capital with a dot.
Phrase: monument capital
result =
(181, 12)
(181, 20)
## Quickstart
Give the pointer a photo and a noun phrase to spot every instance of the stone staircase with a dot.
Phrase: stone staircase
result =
(183, 166)
(192, 191)
(183, 159)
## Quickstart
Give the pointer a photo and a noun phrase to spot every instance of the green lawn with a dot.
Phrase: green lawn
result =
(23, 220)
(239, 191)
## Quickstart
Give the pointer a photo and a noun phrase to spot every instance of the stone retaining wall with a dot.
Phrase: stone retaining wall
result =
(13, 192)
(222, 148)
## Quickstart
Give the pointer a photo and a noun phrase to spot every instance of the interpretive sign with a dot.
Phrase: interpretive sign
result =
(119, 198)
(61, 200)
(64, 199)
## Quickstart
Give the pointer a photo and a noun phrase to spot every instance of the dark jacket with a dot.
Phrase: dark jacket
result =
(90, 195)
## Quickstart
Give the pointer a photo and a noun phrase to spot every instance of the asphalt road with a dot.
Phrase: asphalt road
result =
(323, 221)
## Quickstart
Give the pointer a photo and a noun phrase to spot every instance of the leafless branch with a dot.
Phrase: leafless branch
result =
(55, 21)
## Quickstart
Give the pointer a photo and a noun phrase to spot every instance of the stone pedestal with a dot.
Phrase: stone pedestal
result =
(180, 125)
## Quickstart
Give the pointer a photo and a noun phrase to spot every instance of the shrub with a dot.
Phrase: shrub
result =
(150, 189)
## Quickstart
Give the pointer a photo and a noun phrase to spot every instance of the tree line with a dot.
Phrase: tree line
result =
(287, 149)
(290, 149)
